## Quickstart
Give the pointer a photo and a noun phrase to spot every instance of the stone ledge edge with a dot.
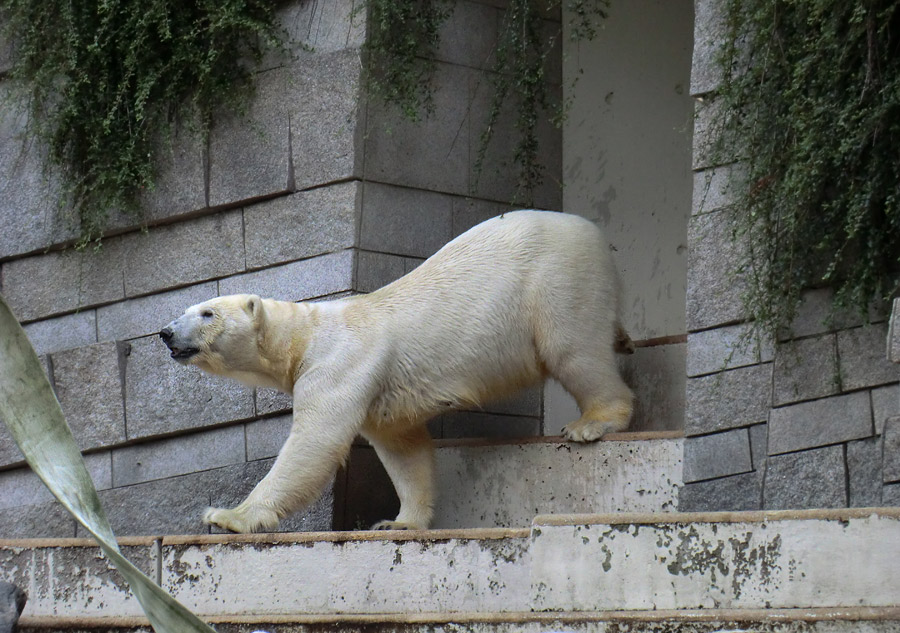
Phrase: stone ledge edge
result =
(841, 514)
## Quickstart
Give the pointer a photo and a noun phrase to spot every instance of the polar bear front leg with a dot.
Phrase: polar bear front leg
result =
(408, 457)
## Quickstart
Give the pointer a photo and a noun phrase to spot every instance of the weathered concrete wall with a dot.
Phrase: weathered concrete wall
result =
(317, 195)
(801, 422)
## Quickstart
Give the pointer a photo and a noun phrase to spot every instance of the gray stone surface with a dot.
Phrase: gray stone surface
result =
(891, 471)
(864, 472)
(528, 402)
(459, 424)
(323, 27)
(12, 602)
(714, 285)
(728, 494)
(893, 337)
(266, 437)
(467, 212)
(759, 442)
(726, 347)
(820, 422)
(180, 455)
(431, 154)
(885, 404)
(707, 129)
(65, 332)
(405, 221)
(730, 399)
(143, 316)
(21, 487)
(809, 479)
(712, 189)
(301, 225)
(52, 283)
(862, 357)
(805, 369)
(180, 185)
(9, 451)
(890, 495)
(272, 401)
(717, 455)
(41, 520)
(305, 279)
(89, 389)
(375, 270)
(709, 33)
(162, 396)
(657, 378)
(179, 254)
(469, 35)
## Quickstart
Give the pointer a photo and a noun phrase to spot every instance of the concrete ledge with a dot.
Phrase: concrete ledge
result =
(650, 518)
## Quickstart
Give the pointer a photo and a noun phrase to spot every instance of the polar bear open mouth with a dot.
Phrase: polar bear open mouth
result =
(183, 353)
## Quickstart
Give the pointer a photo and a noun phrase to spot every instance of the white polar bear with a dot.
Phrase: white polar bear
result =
(517, 298)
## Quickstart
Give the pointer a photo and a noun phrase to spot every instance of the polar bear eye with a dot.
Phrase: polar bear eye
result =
(207, 314)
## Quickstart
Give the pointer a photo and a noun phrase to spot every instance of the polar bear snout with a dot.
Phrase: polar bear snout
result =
(181, 348)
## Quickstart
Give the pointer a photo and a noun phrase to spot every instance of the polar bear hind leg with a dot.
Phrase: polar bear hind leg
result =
(408, 457)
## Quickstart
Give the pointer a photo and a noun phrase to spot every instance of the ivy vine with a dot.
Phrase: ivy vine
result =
(108, 77)
(403, 36)
(810, 107)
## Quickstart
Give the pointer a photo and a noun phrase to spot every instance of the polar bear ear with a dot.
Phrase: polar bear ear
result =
(254, 307)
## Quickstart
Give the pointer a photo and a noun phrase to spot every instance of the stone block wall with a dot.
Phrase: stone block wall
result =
(318, 195)
(806, 421)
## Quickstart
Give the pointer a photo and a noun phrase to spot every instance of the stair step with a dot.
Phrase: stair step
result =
(807, 566)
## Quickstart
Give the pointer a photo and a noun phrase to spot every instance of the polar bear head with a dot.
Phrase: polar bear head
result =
(220, 336)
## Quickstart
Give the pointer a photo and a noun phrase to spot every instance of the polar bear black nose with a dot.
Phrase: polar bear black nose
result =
(165, 334)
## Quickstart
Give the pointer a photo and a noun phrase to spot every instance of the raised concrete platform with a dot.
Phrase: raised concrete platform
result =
(777, 571)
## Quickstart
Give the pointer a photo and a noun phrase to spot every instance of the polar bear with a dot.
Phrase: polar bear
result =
(522, 296)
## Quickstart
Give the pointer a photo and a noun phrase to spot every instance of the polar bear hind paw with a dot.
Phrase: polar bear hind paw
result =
(241, 521)
(590, 430)
(393, 525)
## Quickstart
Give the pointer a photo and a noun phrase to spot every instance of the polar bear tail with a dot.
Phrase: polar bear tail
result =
(623, 343)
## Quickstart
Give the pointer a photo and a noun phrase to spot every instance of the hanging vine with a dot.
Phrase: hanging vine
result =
(810, 105)
(107, 77)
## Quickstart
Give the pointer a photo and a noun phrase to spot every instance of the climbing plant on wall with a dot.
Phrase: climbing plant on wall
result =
(810, 105)
(403, 36)
(108, 77)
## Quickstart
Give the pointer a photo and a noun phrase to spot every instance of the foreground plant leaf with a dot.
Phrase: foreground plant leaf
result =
(35, 419)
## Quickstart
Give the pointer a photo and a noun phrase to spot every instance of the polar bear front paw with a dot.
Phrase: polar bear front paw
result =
(590, 430)
(393, 525)
(241, 520)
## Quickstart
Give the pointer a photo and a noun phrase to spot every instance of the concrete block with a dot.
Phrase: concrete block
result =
(459, 424)
(726, 347)
(527, 402)
(42, 520)
(307, 279)
(405, 221)
(250, 154)
(506, 485)
(806, 369)
(727, 400)
(439, 575)
(164, 506)
(21, 487)
(864, 468)
(863, 362)
(375, 270)
(709, 33)
(365, 494)
(893, 337)
(162, 396)
(266, 437)
(715, 286)
(179, 455)
(89, 389)
(885, 404)
(9, 451)
(322, 27)
(710, 149)
(33, 210)
(74, 579)
(322, 99)
(808, 479)
(180, 184)
(717, 455)
(65, 332)
(740, 562)
(273, 401)
(230, 485)
(759, 445)
(431, 154)
(467, 212)
(64, 281)
(143, 316)
(171, 255)
(890, 495)
(714, 188)
(820, 422)
(656, 376)
(469, 35)
(301, 225)
(737, 493)
(892, 450)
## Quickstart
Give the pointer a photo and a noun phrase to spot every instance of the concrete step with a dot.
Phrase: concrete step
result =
(507, 482)
(784, 571)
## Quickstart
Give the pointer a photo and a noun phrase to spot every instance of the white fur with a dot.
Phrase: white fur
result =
(516, 298)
